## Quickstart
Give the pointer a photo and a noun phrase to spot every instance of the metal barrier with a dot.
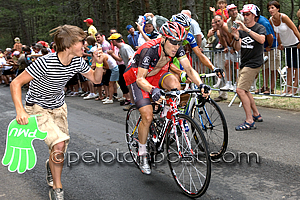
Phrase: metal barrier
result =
(275, 77)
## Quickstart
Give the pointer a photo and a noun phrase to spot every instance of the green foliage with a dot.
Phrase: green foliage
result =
(32, 20)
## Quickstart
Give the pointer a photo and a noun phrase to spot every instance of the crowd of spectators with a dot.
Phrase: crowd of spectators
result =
(282, 34)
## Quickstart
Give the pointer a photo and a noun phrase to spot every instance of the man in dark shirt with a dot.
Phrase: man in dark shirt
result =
(250, 38)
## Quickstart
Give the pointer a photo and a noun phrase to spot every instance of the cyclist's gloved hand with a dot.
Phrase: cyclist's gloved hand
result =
(155, 94)
(183, 77)
(219, 70)
(204, 88)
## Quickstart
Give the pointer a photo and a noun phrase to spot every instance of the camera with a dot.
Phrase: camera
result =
(235, 25)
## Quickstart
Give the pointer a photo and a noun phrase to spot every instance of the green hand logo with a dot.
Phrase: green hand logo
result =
(19, 153)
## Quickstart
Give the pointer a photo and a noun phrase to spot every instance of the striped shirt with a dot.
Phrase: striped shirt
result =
(49, 79)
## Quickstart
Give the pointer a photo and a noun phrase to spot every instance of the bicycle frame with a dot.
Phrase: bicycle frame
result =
(193, 99)
(171, 115)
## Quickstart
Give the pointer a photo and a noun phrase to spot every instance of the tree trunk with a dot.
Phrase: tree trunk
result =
(96, 14)
(292, 10)
(104, 25)
(147, 6)
(25, 35)
(190, 4)
(118, 14)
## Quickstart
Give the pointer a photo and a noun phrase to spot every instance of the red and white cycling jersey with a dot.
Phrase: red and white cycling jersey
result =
(147, 57)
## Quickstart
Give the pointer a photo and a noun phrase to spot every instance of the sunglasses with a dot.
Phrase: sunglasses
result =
(83, 41)
(246, 14)
(113, 33)
(175, 42)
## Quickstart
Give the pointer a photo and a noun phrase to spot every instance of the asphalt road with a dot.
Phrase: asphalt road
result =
(95, 127)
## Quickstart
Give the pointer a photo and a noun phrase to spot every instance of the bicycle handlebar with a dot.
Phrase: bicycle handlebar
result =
(212, 75)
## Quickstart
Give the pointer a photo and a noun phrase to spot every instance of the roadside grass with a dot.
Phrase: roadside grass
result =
(286, 103)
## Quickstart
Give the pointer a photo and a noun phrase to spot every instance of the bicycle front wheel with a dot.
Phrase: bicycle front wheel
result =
(212, 121)
(190, 166)
(133, 119)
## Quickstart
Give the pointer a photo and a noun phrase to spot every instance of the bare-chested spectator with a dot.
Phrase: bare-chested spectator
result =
(17, 45)
(225, 40)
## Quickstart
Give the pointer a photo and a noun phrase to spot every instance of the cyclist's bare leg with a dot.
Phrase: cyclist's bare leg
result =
(147, 116)
(171, 82)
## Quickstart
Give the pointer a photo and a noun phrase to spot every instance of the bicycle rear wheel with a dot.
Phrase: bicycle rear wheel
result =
(133, 119)
(213, 124)
(191, 166)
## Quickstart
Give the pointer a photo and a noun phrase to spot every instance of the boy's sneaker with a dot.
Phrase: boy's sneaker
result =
(57, 194)
(90, 96)
(108, 101)
(49, 177)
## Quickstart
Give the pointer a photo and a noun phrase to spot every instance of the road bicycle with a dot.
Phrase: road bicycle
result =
(210, 118)
(186, 147)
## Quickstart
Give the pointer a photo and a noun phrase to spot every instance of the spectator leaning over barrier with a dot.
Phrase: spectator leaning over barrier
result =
(132, 37)
(270, 50)
(219, 57)
(226, 41)
(92, 29)
(45, 97)
(288, 38)
(249, 38)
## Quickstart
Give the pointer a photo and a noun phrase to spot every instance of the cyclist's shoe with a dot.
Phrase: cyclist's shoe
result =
(49, 177)
(57, 194)
(144, 164)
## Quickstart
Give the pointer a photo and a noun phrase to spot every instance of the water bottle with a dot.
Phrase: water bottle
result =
(165, 111)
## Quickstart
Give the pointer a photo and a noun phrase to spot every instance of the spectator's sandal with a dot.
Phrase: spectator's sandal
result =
(255, 118)
(245, 126)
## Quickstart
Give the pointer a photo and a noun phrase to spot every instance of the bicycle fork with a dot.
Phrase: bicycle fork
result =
(181, 124)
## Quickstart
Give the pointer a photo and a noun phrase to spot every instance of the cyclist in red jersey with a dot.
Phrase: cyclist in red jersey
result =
(149, 72)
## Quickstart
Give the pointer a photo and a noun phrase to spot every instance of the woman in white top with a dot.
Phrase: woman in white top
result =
(288, 39)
